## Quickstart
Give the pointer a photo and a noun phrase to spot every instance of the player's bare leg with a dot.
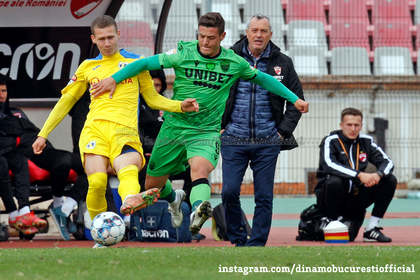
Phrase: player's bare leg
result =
(127, 166)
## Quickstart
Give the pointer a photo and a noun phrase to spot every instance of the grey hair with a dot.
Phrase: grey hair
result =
(259, 17)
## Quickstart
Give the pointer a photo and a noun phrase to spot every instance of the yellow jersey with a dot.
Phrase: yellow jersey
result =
(123, 107)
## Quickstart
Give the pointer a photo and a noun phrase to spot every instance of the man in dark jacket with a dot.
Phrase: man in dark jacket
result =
(255, 127)
(344, 189)
(57, 162)
(11, 157)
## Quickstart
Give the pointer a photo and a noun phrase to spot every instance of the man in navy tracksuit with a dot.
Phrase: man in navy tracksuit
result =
(255, 127)
(344, 188)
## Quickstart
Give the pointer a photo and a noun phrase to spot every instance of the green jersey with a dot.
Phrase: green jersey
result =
(208, 80)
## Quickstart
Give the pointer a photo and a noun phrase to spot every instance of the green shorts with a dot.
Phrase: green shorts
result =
(174, 147)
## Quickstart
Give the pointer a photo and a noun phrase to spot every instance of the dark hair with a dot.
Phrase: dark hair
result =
(212, 20)
(4, 80)
(160, 75)
(102, 22)
(351, 111)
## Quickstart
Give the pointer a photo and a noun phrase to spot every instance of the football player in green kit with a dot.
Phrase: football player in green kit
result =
(206, 71)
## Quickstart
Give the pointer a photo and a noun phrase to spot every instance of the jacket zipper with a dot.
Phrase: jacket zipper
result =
(252, 109)
(352, 162)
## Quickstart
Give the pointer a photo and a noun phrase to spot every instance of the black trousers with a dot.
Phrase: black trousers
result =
(80, 188)
(335, 200)
(58, 163)
(6, 192)
(18, 163)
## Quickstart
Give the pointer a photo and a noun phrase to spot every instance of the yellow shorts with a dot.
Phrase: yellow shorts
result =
(105, 138)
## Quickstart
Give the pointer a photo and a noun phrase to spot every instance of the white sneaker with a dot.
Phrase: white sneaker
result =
(200, 216)
(175, 209)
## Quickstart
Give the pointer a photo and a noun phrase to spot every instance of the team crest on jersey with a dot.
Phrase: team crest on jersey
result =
(72, 80)
(225, 66)
(91, 145)
(277, 69)
(362, 157)
(94, 80)
(122, 64)
(210, 66)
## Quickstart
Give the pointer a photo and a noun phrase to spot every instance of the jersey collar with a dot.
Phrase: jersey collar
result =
(209, 57)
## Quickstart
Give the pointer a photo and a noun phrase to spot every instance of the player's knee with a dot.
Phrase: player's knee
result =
(200, 171)
(97, 184)
(95, 199)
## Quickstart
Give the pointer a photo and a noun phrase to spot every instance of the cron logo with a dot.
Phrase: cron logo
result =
(31, 53)
(81, 8)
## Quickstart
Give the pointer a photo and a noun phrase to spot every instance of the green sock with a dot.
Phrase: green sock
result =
(167, 193)
(199, 194)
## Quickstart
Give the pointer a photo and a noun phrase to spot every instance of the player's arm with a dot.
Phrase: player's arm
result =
(272, 85)
(70, 95)
(60, 110)
(158, 102)
(132, 69)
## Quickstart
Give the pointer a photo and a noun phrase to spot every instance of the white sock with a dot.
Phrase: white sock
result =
(13, 215)
(127, 220)
(373, 222)
(68, 206)
(24, 210)
(57, 201)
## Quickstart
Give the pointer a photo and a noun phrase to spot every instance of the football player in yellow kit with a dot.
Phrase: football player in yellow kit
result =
(110, 134)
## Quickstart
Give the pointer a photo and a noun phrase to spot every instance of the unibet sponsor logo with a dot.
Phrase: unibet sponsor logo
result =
(202, 77)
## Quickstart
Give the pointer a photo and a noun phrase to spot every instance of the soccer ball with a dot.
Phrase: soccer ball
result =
(107, 228)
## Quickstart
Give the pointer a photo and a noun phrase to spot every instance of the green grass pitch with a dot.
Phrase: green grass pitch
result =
(192, 263)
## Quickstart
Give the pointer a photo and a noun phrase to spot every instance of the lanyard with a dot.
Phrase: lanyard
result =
(347, 154)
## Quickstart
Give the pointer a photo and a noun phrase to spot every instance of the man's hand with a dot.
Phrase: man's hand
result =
(102, 86)
(189, 105)
(369, 179)
(39, 145)
(302, 106)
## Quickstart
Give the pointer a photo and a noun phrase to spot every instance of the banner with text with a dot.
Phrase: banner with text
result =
(43, 42)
